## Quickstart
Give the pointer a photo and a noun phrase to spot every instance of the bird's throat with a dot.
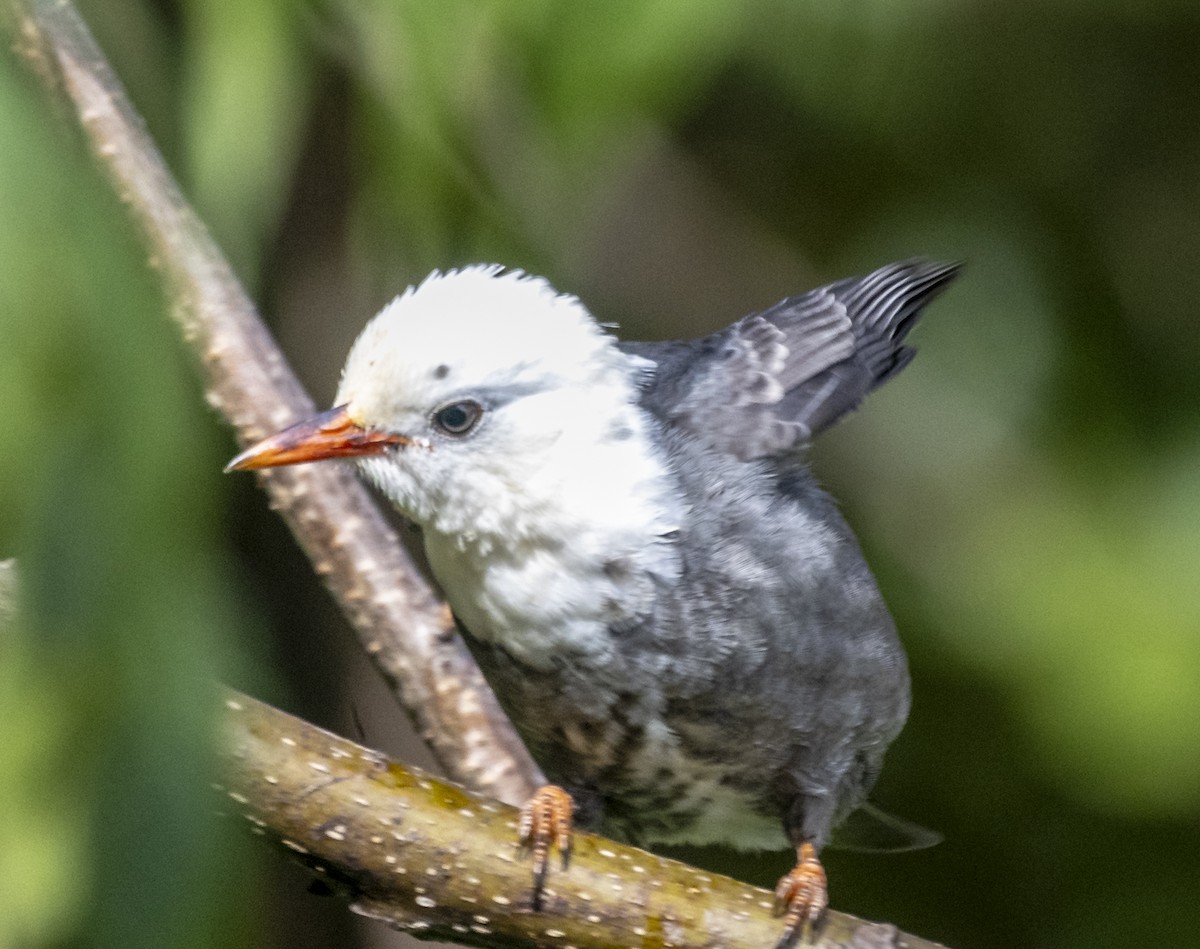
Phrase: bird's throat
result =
(570, 555)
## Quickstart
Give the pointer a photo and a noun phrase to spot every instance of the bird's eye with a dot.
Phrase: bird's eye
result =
(458, 418)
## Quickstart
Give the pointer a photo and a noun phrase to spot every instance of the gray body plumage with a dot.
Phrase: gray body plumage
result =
(675, 616)
(748, 678)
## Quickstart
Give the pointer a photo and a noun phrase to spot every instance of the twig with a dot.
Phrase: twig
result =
(441, 863)
(402, 625)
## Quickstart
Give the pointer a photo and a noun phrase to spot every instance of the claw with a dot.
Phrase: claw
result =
(545, 822)
(802, 897)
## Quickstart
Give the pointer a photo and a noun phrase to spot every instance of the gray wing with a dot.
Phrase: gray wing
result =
(774, 379)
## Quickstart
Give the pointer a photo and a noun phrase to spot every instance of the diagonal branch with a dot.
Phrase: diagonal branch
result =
(434, 860)
(402, 625)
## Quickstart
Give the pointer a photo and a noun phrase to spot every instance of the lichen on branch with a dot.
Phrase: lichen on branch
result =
(437, 861)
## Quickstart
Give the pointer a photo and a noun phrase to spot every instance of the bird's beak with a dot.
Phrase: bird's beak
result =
(332, 434)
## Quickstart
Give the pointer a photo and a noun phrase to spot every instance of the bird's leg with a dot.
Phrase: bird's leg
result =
(546, 822)
(802, 896)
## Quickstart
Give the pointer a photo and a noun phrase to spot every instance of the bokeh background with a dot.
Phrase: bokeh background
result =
(1028, 491)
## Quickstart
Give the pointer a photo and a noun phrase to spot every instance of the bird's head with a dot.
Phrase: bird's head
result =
(466, 390)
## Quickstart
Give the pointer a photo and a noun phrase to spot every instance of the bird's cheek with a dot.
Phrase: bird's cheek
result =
(537, 422)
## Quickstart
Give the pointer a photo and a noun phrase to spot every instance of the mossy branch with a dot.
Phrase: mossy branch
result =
(437, 861)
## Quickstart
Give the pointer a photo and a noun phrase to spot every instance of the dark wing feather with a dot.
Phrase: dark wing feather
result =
(774, 379)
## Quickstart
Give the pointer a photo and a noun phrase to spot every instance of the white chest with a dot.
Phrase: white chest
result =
(539, 599)
(548, 562)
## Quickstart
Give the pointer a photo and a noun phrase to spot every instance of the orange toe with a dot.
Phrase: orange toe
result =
(545, 823)
(802, 896)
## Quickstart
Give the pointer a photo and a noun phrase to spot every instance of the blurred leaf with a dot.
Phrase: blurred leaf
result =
(245, 102)
(1094, 633)
(108, 678)
(540, 93)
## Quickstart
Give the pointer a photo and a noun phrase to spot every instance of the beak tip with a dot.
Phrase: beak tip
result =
(239, 462)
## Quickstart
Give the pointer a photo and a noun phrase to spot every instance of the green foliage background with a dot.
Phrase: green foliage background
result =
(1029, 491)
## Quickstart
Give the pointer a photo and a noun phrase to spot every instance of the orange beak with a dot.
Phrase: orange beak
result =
(332, 434)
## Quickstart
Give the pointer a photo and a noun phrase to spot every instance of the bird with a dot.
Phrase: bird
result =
(672, 611)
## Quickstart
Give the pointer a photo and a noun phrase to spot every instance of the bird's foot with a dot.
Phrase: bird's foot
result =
(546, 822)
(802, 897)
